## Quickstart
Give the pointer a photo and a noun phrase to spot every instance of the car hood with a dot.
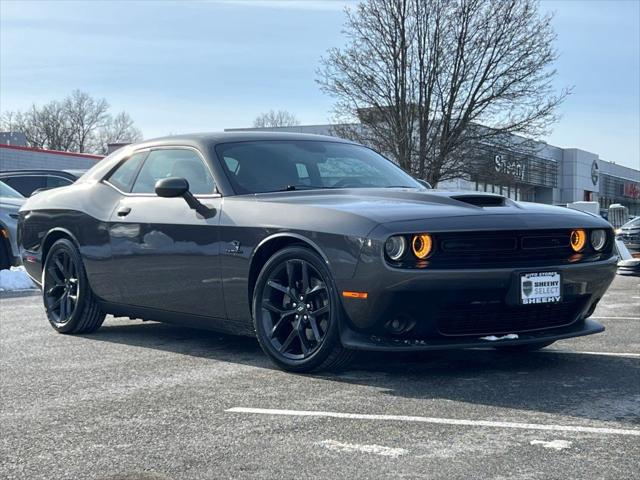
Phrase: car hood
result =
(403, 205)
(12, 203)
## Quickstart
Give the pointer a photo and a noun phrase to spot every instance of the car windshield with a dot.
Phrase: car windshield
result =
(271, 166)
(7, 191)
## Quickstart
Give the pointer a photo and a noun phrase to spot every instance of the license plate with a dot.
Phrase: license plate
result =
(542, 287)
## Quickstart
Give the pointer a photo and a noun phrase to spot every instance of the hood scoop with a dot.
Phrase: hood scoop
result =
(481, 200)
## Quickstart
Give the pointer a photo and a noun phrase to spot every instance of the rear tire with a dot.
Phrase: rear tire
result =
(297, 312)
(68, 300)
(529, 347)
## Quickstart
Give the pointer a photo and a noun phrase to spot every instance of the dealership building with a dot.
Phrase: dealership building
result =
(551, 175)
(16, 155)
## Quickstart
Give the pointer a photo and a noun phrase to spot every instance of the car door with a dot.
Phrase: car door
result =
(168, 254)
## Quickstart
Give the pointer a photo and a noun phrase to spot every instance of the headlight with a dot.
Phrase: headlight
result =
(598, 239)
(578, 240)
(395, 247)
(422, 245)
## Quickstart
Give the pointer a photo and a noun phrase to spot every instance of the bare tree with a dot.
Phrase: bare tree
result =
(281, 118)
(86, 115)
(433, 82)
(44, 127)
(78, 123)
(118, 129)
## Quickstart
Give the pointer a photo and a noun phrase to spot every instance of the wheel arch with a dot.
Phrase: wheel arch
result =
(270, 245)
(52, 237)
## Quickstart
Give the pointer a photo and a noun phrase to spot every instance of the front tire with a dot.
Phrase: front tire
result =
(296, 312)
(68, 300)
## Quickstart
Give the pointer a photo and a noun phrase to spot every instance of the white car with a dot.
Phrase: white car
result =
(10, 203)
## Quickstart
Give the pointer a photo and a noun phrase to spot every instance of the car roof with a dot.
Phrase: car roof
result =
(238, 136)
(75, 173)
(203, 142)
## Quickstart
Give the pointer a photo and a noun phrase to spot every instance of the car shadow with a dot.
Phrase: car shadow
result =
(597, 387)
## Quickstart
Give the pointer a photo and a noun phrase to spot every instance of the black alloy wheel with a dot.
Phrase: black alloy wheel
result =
(68, 300)
(296, 309)
(296, 312)
(61, 286)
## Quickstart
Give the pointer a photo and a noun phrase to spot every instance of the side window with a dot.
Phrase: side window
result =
(55, 182)
(27, 184)
(174, 163)
(122, 177)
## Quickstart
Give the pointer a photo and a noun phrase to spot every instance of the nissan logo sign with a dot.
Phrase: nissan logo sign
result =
(595, 172)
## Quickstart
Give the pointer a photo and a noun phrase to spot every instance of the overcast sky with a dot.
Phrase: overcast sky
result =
(205, 66)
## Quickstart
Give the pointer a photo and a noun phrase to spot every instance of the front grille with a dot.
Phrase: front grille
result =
(505, 248)
(495, 317)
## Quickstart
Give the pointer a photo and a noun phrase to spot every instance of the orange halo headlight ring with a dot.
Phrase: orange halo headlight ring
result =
(422, 245)
(578, 240)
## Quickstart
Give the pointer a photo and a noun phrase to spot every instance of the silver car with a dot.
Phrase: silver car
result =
(629, 233)
(10, 203)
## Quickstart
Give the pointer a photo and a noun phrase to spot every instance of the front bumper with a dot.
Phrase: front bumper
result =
(360, 341)
(441, 306)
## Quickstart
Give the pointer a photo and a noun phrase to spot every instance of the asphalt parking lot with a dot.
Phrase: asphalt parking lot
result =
(151, 401)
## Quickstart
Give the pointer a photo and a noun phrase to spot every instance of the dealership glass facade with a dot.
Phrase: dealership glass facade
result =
(548, 174)
(619, 190)
(516, 176)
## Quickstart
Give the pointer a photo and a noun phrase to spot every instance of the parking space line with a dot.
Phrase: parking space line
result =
(606, 354)
(357, 448)
(615, 318)
(438, 421)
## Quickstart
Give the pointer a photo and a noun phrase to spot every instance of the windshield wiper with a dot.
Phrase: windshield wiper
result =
(291, 188)
(399, 186)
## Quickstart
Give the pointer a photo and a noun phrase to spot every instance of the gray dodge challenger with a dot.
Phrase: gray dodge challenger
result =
(317, 246)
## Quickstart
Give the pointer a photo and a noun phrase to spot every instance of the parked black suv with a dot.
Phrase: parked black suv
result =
(28, 181)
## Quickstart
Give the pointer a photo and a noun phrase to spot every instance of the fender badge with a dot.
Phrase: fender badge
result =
(234, 247)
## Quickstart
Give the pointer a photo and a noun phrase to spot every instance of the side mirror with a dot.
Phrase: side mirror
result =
(424, 183)
(172, 187)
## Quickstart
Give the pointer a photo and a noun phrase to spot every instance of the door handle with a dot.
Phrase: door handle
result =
(124, 211)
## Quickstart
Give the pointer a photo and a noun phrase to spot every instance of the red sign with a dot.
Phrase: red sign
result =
(632, 189)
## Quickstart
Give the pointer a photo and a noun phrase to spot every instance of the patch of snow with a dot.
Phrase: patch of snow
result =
(493, 338)
(354, 447)
(15, 279)
(555, 444)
